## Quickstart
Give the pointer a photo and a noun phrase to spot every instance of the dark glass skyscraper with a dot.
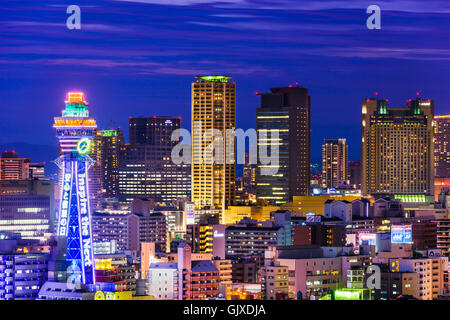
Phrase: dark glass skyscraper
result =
(334, 162)
(155, 131)
(287, 110)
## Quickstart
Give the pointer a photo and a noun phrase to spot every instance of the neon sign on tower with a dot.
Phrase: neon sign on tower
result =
(74, 131)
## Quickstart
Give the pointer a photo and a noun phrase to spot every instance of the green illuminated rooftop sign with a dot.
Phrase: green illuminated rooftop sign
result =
(76, 106)
(69, 113)
(214, 78)
(382, 107)
(351, 294)
(109, 133)
(420, 198)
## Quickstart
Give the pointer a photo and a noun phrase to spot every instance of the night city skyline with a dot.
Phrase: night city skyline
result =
(225, 155)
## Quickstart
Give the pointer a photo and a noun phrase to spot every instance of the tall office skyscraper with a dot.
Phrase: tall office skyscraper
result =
(104, 174)
(74, 131)
(213, 108)
(146, 169)
(287, 110)
(397, 147)
(442, 145)
(155, 131)
(334, 162)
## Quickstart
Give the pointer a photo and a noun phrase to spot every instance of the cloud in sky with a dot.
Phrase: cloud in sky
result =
(182, 2)
(138, 39)
(420, 6)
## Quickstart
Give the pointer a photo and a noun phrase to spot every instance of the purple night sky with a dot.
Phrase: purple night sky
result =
(138, 58)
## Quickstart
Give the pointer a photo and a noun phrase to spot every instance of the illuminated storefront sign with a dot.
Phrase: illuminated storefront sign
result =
(99, 295)
(411, 198)
(395, 265)
(351, 294)
(84, 219)
(216, 234)
(370, 238)
(83, 146)
(401, 234)
(119, 295)
(65, 200)
(74, 221)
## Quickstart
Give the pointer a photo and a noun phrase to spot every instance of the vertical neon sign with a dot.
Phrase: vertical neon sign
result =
(65, 201)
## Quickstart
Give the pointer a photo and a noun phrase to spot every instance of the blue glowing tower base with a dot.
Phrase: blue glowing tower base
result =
(74, 216)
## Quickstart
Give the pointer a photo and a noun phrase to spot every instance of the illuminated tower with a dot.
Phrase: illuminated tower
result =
(74, 131)
(213, 112)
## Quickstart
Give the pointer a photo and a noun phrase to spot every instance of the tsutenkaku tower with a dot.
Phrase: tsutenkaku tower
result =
(74, 131)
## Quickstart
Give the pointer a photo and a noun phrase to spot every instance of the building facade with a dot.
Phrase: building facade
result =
(274, 282)
(334, 162)
(22, 275)
(286, 110)
(121, 228)
(213, 113)
(397, 147)
(12, 167)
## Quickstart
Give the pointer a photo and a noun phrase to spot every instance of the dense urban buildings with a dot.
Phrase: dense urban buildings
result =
(104, 174)
(397, 149)
(442, 145)
(334, 162)
(156, 234)
(286, 110)
(123, 229)
(212, 170)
